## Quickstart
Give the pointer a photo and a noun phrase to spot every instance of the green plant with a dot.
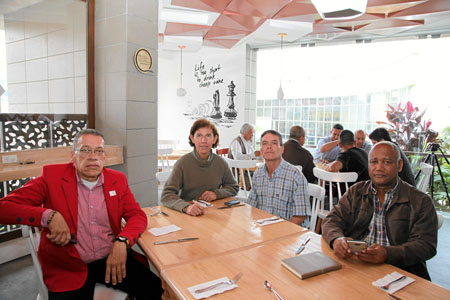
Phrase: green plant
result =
(407, 128)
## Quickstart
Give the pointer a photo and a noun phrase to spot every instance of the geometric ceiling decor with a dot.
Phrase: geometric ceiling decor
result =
(226, 23)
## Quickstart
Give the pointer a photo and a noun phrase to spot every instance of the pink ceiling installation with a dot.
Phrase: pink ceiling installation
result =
(383, 18)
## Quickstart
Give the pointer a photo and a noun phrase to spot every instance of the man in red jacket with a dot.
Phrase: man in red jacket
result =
(80, 206)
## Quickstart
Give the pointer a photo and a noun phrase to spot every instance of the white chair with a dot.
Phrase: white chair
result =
(318, 194)
(162, 178)
(162, 144)
(238, 168)
(424, 182)
(101, 292)
(163, 159)
(330, 177)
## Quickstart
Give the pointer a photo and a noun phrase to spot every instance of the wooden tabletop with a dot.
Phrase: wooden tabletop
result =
(219, 231)
(263, 262)
(30, 162)
(176, 154)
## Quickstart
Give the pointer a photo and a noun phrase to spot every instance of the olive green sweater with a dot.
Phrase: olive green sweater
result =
(191, 176)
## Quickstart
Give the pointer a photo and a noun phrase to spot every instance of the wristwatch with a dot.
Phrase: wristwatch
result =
(123, 240)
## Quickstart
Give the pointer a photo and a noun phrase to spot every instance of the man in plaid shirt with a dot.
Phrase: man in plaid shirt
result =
(279, 187)
(397, 221)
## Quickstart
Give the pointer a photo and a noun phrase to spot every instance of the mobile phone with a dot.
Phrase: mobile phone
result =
(357, 246)
(232, 202)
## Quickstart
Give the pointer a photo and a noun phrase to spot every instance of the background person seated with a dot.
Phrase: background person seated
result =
(397, 221)
(351, 158)
(295, 154)
(241, 148)
(200, 174)
(328, 149)
(406, 174)
(360, 141)
(279, 187)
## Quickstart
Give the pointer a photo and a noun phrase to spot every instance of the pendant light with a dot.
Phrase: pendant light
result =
(280, 94)
(181, 92)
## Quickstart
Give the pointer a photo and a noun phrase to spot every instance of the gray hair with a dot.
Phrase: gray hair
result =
(85, 132)
(296, 132)
(246, 127)
(390, 144)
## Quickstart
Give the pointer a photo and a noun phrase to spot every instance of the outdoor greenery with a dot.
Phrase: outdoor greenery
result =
(408, 129)
(412, 133)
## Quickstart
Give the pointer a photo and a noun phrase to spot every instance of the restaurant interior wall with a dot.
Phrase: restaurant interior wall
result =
(205, 72)
(352, 84)
(45, 51)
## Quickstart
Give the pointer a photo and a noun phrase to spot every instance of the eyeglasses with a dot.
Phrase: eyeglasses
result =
(88, 151)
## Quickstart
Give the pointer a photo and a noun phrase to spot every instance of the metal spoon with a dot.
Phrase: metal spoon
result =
(268, 286)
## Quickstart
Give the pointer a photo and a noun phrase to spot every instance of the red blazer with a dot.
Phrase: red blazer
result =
(56, 189)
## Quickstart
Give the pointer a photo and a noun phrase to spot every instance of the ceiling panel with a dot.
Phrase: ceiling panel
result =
(250, 21)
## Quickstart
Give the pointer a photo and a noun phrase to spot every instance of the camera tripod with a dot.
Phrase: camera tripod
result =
(432, 159)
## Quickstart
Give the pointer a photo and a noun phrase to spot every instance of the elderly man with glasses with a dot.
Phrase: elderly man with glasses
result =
(80, 206)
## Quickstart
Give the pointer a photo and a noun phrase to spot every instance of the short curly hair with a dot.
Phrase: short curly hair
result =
(201, 123)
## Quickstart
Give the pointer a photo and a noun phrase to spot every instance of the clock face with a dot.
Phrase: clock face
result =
(143, 60)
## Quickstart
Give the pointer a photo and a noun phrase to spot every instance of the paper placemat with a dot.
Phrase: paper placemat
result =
(157, 231)
(395, 286)
(217, 290)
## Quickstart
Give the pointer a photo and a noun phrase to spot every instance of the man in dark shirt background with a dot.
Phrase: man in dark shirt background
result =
(296, 155)
(351, 158)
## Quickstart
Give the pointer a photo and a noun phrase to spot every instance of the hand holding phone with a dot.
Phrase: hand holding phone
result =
(357, 246)
(232, 202)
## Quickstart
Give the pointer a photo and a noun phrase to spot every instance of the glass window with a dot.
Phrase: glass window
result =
(290, 113)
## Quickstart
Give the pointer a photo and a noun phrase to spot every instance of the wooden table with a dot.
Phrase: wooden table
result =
(176, 154)
(30, 162)
(263, 262)
(219, 231)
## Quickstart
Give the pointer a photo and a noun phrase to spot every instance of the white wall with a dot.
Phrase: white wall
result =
(176, 114)
(46, 59)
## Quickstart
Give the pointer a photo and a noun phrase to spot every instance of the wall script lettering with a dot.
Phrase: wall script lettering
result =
(206, 77)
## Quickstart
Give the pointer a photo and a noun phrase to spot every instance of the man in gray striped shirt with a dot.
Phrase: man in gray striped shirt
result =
(279, 187)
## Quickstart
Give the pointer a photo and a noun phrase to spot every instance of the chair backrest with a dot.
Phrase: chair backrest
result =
(101, 291)
(440, 218)
(162, 177)
(330, 177)
(167, 144)
(163, 158)
(318, 194)
(427, 173)
(239, 167)
(33, 241)
(223, 152)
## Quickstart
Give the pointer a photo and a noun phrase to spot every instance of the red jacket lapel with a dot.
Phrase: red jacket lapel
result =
(110, 189)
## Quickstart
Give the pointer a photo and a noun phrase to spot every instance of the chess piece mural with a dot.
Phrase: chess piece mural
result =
(231, 112)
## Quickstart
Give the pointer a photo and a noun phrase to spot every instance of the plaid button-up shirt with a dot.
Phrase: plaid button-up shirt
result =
(284, 195)
(377, 228)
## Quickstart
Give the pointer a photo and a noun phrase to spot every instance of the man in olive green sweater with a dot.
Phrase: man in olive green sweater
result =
(200, 174)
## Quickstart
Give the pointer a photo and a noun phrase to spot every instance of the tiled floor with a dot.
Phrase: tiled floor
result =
(18, 280)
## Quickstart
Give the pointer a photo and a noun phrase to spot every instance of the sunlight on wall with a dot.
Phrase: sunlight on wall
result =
(361, 69)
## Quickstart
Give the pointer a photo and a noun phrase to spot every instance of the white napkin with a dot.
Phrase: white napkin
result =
(218, 290)
(268, 221)
(203, 204)
(157, 231)
(395, 286)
